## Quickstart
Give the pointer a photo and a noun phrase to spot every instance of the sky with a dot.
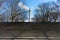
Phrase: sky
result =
(3, 6)
(33, 3)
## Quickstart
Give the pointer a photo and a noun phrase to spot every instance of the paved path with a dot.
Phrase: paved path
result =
(29, 35)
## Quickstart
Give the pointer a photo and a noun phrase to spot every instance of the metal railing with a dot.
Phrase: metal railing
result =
(13, 38)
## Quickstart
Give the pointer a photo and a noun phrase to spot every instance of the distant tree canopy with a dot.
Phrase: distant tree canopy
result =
(46, 12)
(14, 12)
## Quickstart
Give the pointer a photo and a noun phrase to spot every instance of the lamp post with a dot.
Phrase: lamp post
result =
(29, 14)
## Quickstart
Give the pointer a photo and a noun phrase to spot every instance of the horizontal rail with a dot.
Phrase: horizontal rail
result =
(26, 37)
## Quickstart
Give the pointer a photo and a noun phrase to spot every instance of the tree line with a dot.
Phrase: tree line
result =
(47, 12)
(12, 12)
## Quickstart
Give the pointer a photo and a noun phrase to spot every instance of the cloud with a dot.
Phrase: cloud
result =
(23, 6)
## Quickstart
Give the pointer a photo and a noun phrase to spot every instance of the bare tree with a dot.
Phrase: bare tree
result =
(13, 5)
(46, 13)
(14, 10)
(42, 12)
